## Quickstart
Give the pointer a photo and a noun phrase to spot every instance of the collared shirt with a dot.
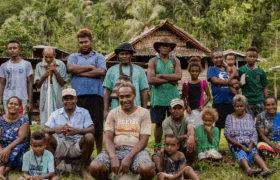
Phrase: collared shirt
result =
(16, 79)
(39, 72)
(270, 125)
(80, 119)
(162, 95)
(87, 85)
(242, 130)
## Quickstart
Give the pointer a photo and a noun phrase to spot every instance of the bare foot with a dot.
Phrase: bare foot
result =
(2, 177)
(253, 172)
(216, 164)
(230, 164)
(84, 174)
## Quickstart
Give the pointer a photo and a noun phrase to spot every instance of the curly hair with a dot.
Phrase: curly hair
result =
(230, 54)
(84, 33)
(19, 100)
(194, 64)
(213, 50)
(269, 97)
(172, 136)
(210, 111)
(128, 85)
(252, 49)
(239, 98)
(14, 41)
(38, 135)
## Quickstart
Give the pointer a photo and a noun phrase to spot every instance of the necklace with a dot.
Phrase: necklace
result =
(38, 168)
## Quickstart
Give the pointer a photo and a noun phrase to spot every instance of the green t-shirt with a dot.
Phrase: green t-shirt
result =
(163, 94)
(203, 142)
(139, 80)
(178, 129)
(255, 81)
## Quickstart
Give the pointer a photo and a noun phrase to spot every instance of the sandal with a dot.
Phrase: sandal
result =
(265, 175)
(254, 173)
(157, 147)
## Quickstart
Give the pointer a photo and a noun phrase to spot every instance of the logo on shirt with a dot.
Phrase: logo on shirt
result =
(223, 75)
(171, 66)
(258, 77)
(21, 71)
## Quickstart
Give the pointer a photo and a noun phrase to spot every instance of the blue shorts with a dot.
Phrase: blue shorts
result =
(242, 154)
(158, 113)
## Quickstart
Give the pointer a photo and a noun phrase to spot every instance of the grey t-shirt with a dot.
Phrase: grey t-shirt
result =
(16, 79)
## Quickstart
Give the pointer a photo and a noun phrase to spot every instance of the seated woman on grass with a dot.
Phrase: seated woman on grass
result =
(268, 126)
(14, 137)
(208, 139)
(173, 162)
(241, 135)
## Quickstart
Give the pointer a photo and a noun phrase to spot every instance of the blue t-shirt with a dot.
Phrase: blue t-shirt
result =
(86, 85)
(276, 123)
(221, 94)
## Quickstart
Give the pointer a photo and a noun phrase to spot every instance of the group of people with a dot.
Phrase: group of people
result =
(119, 97)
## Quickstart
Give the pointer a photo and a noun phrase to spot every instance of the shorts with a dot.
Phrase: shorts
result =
(242, 154)
(95, 107)
(255, 109)
(121, 152)
(67, 148)
(224, 110)
(210, 154)
(158, 113)
(5, 164)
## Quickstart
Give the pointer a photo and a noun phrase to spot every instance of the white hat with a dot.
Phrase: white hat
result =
(177, 101)
(69, 92)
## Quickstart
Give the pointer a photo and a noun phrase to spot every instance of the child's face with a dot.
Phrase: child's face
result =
(218, 58)
(230, 60)
(194, 72)
(171, 145)
(208, 120)
(38, 146)
(251, 57)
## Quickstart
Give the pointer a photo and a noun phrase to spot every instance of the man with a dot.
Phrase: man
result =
(127, 132)
(74, 131)
(88, 68)
(57, 70)
(179, 125)
(164, 72)
(124, 53)
(16, 80)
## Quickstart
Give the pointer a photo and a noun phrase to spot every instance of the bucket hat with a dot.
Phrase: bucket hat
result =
(126, 46)
(164, 41)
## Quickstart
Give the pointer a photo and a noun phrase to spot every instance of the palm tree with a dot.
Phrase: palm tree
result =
(27, 15)
(144, 15)
(49, 17)
(118, 7)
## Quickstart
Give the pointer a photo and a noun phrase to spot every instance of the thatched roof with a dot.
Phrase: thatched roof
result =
(240, 53)
(187, 45)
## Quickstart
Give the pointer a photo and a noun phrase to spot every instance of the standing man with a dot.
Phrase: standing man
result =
(124, 52)
(88, 68)
(57, 70)
(16, 80)
(164, 72)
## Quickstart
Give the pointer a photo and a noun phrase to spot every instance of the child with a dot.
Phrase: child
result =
(193, 91)
(232, 73)
(208, 139)
(255, 89)
(38, 163)
(172, 162)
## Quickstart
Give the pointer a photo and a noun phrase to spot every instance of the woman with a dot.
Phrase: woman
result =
(268, 127)
(241, 135)
(14, 137)
(222, 95)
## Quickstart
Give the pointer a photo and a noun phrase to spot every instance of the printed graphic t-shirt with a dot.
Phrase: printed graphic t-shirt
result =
(128, 128)
(16, 79)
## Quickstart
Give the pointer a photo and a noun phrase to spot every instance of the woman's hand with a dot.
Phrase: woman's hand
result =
(4, 155)
(200, 108)
(247, 150)
(276, 148)
(189, 110)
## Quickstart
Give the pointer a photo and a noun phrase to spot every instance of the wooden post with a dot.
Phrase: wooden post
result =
(275, 86)
(49, 93)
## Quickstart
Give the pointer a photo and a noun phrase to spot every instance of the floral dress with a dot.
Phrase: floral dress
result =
(9, 133)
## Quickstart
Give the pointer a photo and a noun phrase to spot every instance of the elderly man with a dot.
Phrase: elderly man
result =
(164, 72)
(136, 73)
(57, 70)
(88, 69)
(182, 127)
(127, 132)
(74, 131)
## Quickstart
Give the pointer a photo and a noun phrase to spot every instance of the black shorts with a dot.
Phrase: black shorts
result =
(158, 113)
(224, 110)
(94, 104)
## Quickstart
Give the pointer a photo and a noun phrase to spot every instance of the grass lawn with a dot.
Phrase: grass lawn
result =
(204, 170)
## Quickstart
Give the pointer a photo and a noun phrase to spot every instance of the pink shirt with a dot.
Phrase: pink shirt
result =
(203, 84)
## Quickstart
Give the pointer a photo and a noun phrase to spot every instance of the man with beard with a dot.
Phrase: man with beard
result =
(164, 72)
(57, 70)
(74, 131)
(16, 80)
(134, 74)
(88, 68)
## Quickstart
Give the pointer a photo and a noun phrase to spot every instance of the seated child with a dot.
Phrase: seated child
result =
(232, 73)
(38, 163)
(208, 139)
(172, 162)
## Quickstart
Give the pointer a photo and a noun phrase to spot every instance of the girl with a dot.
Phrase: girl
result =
(173, 162)
(193, 91)
(208, 139)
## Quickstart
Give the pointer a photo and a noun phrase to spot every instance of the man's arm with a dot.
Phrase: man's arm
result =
(26, 175)
(151, 75)
(222, 82)
(30, 95)
(144, 98)
(265, 93)
(111, 150)
(59, 79)
(161, 164)
(190, 143)
(100, 72)
(176, 76)
(106, 100)
(77, 69)
(2, 87)
(73, 131)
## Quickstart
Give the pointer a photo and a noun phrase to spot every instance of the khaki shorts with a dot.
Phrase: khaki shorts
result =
(67, 148)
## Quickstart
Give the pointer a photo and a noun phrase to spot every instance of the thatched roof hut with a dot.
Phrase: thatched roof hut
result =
(187, 46)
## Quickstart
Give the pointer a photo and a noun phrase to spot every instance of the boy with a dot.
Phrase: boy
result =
(255, 89)
(232, 73)
(38, 163)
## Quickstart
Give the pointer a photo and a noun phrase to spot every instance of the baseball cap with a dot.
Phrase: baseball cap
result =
(69, 92)
(177, 101)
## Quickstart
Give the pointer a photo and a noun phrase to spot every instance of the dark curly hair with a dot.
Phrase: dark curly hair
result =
(213, 50)
(38, 135)
(252, 49)
(14, 41)
(172, 136)
(230, 54)
(194, 62)
(84, 33)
